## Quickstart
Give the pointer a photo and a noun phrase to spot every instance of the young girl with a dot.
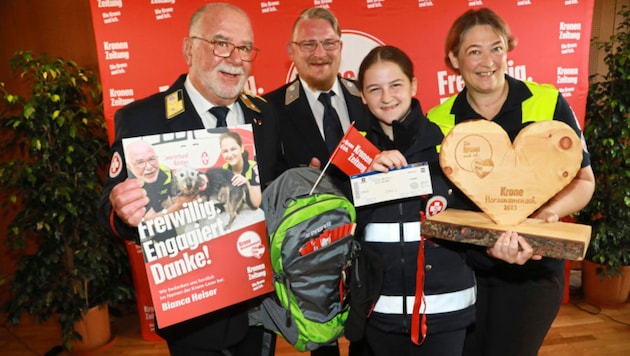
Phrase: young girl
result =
(404, 135)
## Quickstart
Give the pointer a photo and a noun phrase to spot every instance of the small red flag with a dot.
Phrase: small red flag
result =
(355, 153)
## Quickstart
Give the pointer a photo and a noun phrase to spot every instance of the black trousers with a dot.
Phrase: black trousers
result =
(379, 343)
(513, 316)
(257, 342)
(328, 350)
(355, 349)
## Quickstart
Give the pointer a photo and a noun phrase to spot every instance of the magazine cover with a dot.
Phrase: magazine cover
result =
(203, 237)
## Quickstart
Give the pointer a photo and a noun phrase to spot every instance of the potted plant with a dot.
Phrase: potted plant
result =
(55, 157)
(607, 132)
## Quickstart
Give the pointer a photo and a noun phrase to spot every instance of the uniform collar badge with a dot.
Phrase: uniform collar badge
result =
(174, 103)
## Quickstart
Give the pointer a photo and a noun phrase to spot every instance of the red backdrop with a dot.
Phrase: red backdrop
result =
(139, 43)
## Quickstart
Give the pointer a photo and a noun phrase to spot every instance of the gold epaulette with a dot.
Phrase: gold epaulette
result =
(174, 104)
(248, 102)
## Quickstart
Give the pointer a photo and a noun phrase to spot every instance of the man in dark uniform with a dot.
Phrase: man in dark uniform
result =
(219, 52)
(315, 49)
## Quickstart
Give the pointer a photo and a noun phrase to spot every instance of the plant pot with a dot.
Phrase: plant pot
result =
(609, 291)
(95, 329)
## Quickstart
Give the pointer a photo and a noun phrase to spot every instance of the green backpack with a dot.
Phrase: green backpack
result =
(310, 303)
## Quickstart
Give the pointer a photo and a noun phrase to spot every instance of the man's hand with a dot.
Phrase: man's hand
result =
(128, 200)
(314, 163)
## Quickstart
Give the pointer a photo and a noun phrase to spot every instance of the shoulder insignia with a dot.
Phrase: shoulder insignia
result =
(174, 104)
(248, 102)
(351, 87)
(253, 95)
(292, 93)
(116, 165)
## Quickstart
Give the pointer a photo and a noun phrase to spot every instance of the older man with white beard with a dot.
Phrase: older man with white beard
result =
(219, 51)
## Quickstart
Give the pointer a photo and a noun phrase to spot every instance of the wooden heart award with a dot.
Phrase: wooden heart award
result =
(508, 182)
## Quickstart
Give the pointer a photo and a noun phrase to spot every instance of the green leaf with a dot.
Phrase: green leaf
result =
(28, 111)
(11, 99)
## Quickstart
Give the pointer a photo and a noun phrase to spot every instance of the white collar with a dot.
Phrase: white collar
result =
(336, 87)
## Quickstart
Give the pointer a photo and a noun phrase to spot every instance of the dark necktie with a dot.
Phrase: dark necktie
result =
(220, 112)
(332, 126)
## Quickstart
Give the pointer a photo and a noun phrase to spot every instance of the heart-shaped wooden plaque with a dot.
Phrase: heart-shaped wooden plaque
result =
(509, 181)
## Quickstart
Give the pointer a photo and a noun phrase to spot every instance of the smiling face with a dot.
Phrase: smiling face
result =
(232, 152)
(481, 59)
(387, 91)
(318, 68)
(219, 80)
(142, 161)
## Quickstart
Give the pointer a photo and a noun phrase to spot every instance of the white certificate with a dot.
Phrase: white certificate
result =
(375, 187)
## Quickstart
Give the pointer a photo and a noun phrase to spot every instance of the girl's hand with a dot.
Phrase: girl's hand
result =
(386, 160)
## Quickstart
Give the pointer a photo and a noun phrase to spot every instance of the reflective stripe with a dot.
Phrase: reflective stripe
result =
(385, 232)
(435, 303)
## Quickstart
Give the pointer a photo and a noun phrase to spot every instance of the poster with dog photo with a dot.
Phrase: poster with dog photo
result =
(203, 237)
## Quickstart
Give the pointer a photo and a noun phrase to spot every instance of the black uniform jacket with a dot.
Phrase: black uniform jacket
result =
(416, 138)
(300, 136)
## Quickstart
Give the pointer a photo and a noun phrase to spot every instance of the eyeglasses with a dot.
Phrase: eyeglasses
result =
(140, 164)
(224, 49)
(311, 45)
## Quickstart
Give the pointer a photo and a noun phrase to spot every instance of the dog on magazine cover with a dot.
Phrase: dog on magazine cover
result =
(216, 185)
(187, 182)
(220, 188)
